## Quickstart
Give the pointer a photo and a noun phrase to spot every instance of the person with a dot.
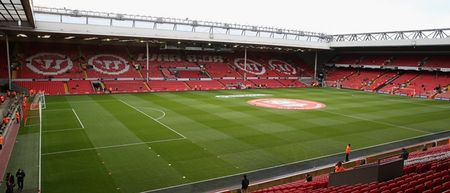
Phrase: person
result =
(20, 175)
(309, 177)
(17, 117)
(339, 167)
(347, 152)
(1, 142)
(245, 182)
(405, 154)
(9, 183)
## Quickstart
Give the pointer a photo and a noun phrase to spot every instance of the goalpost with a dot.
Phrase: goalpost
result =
(39, 98)
(335, 84)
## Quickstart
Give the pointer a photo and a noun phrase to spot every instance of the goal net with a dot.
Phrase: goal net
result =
(39, 98)
(403, 91)
(335, 84)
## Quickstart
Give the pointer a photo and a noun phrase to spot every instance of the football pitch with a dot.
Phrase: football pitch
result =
(139, 142)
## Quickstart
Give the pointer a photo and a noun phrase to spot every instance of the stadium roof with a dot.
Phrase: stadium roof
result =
(16, 13)
(91, 25)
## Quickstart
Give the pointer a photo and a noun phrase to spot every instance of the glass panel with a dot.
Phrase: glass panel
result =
(218, 30)
(278, 36)
(98, 21)
(264, 34)
(184, 27)
(143, 24)
(235, 32)
(77, 20)
(202, 29)
(122, 23)
(166, 26)
(46, 17)
(250, 33)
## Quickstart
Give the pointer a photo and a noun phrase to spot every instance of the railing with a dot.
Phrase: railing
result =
(125, 20)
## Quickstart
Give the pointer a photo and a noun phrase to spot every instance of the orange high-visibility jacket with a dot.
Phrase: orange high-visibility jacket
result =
(1, 139)
(347, 149)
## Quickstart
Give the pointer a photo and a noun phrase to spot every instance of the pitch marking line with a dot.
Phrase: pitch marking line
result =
(61, 130)
(73, 110)
(184, 137)
(111, 146)
(379, 122)
(159, 110)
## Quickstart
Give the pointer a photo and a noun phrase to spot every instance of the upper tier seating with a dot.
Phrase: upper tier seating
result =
(220, 70)
(438, 61)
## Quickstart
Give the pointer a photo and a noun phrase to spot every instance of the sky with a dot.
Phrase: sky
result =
(325, 16)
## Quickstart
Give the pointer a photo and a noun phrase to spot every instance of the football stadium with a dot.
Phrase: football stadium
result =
(101, 102)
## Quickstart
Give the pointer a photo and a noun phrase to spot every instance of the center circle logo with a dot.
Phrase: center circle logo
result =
(283, 103)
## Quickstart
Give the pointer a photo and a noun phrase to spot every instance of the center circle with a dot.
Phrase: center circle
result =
(289, 104)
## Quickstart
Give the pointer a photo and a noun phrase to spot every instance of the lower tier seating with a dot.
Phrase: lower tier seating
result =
(122, 86)
(424, 172)
(80, 87)
(205, 85)
(49, 87)
(161, 85)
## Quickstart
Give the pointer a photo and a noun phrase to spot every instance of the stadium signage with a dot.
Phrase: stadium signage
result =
(109, 64)
(251, 67)
(49, 64)
(282, 66)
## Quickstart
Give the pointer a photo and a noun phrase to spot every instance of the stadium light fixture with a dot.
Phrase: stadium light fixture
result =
(179, 42)
(91, 38)
(22, 36)
(209, 44)
(69, 37)
(44, 36)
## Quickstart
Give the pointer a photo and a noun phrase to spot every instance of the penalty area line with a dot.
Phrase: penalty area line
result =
(152, 118)
(111, 146)
(73, 110)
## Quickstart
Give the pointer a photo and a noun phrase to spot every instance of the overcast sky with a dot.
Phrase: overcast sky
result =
(327, 16)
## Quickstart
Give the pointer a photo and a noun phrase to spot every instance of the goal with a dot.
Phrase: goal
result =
(40, 97)
(405, 91)
(335, 84)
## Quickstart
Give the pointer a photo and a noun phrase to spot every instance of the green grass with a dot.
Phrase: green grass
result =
(136, 142)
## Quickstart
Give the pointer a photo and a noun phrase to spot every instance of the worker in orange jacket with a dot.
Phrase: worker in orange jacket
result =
(17, 117)
(339, 167)
(1, 142)
(347, 152)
